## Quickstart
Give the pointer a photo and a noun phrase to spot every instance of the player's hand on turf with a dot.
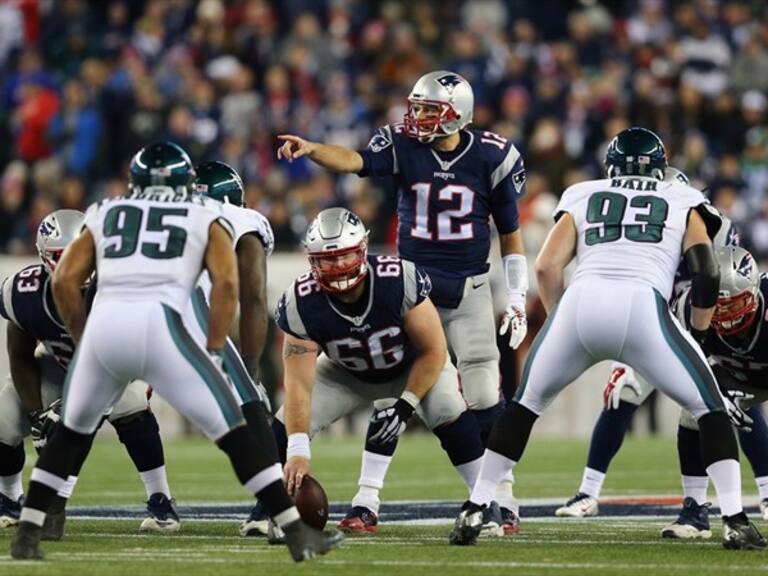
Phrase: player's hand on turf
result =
(516, 323)
(295, 470)
(739, 418)
(293, 147)
(43, 423)
(620, 377)
(390, 422)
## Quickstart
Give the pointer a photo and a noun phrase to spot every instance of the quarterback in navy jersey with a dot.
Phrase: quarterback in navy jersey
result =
(30, 402)
(451, 180)
(359, 329)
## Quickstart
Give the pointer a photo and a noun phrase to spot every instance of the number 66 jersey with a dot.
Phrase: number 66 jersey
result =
(631, 228)
(367, 337)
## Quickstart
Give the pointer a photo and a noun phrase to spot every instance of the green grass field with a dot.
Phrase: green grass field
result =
(199, 473)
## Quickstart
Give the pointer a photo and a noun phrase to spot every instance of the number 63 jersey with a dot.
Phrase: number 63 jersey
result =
(367, 338)
(631, 228)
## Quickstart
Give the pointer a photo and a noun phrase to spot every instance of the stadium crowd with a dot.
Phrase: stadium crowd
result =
(85, 84)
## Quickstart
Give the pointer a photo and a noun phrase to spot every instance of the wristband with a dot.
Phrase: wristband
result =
(410, 398)
(298, 445)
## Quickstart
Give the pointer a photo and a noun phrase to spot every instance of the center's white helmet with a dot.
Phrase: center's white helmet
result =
(672, 174)
(334, 233)
(55, 233)
(447, 91)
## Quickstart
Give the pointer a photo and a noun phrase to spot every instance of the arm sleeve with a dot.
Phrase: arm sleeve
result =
(287, 315)
(508, 182)
(417, 285)
(379, 157)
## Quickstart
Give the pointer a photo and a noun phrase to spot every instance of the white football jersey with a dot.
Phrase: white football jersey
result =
(630, 228)
(151, 245)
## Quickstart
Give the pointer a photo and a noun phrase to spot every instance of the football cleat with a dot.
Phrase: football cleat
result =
(257, 523)
(26, 542)
(10, 510)
(510, 521)
(693, 522)
(763, 509)
(162, 516)
(53, 527)
(468, 524)
(580, 506)
(740, 534)
(492, 521)
(359, 520)
(304, 542)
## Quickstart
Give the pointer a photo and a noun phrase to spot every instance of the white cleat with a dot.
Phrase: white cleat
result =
(580, 506)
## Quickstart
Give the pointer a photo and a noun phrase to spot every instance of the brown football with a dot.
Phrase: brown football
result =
(312, 503)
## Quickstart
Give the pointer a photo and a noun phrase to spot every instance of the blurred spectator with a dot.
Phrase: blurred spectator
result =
(75, 132)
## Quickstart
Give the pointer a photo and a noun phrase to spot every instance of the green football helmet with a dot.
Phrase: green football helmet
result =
(636, 152)
(161, 164)
(219, 181)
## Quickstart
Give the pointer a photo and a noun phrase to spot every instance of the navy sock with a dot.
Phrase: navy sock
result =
(11, 459)
(754, 444)
(486, 419)
(281, 438)
(460, 439)
(141, 436)
(689, 452)
(608, 435)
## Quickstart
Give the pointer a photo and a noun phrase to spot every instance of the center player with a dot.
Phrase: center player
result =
(451, 180)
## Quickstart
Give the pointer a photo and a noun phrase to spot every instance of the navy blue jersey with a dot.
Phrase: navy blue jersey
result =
(367, 337)
(746, 360)
(27, 301)
(446, 199)
(721, 231)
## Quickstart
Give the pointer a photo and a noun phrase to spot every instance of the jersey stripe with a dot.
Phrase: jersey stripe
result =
(503, 169)
(7, 301)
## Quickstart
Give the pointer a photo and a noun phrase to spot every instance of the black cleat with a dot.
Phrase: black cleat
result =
(740, 534)
(26, 542)
(305, 542)
(468, 525)
(53, 527)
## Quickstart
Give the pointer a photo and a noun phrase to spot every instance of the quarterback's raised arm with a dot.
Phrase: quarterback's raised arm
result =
(329, 156)
(222, 266)
(424, 330)
(705, 274)
(558, 250)
(75, 267)
(299, 362)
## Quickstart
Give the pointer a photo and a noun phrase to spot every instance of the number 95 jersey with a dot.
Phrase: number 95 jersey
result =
(367, 337)
(631, 228)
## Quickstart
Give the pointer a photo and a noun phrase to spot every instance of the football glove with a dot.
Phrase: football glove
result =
(43, 423)
(620, 376)
(390, 422)
(739, 418)
(516, 323)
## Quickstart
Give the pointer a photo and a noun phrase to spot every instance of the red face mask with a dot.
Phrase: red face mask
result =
(734, 313)
(340, 270)
(429, 125)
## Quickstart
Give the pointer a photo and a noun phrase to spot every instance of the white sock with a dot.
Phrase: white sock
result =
(368, 497)
(33, 516)
(506, 497)
(373, 470)
(469, 472)
(66, 490)
(592, 482)
(726, 476)
(762, 486)
(11, 487)
(492, 471)
(695, 487)
(155, 481)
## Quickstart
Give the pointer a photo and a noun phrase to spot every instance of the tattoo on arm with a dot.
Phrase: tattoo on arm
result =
(295, 349)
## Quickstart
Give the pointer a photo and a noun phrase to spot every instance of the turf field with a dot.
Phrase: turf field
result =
(102, 539)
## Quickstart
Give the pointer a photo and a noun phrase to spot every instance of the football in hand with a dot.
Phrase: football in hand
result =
(312, 503)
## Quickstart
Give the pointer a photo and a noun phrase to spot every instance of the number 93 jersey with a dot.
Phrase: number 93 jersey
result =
(631, 228)
(151, 245)
(367, 338)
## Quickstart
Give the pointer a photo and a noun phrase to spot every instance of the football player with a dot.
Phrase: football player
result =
(628, 233)
(30, 402)
(452, 179)
(149, 249)
(360, 328)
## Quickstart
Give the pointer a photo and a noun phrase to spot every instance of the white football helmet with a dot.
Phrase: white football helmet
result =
(337, 246)
(452, 98)
(674, 175)
(55, 233)
(739, 290)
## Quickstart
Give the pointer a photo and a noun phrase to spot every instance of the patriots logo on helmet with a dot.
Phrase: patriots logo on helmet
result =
(449, 82)
(47, 228)
(745, 267)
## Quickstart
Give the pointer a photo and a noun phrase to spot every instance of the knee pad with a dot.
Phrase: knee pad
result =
(11, 459)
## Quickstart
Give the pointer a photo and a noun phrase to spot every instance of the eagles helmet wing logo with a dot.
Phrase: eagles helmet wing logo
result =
(449, 82)
(745, 267)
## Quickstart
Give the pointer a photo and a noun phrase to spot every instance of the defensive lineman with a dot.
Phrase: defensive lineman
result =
(149, 249)
(628, 233)
(30, 403)
(451, 180)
